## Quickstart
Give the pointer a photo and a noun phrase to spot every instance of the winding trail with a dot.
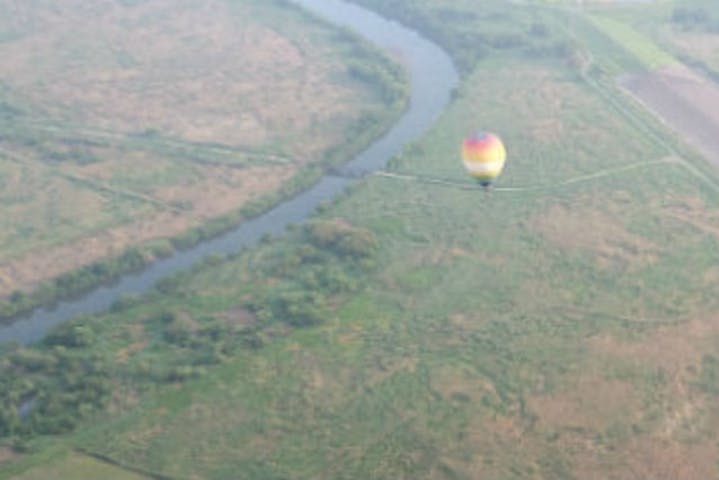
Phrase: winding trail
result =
(533, 188)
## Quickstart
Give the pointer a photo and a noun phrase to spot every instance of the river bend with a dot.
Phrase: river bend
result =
(432, 76)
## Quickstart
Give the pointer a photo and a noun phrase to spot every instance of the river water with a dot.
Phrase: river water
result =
(432, 76)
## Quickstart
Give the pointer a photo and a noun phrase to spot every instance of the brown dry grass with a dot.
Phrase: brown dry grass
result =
(681, 444)
(211, 71)
(452, 383)
(648, 458)
(488, 447)
(200, 72)
(672, 348)
(239, 315)
(230, 189)
(694, 212)
(547, 126)
(597, 230)
(7, 454)
(576, 426)
(593, 402)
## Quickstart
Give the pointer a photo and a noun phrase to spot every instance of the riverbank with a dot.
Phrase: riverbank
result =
(384, 77)
(89, 382)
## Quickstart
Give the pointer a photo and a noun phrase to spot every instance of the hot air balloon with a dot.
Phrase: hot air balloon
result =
(483, 155)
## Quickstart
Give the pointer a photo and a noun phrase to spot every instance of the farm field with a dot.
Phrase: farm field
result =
(690, 30)
(118, 130)
(685, 100)
(564, 325)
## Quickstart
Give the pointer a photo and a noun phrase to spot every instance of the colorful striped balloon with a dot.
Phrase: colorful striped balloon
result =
(483, 155)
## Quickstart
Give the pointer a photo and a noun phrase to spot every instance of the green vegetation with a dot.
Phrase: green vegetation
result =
(133, 185)
(561, 328)
(691, 32)
(114, 182)
(81, 467)
(77, 281)
(696, 15)
(649, 54)
(470, 32)
(328, 261)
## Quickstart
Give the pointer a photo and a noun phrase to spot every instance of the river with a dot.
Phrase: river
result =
(433, 77)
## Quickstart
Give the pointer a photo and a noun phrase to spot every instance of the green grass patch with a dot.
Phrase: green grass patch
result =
(80, 467)
(648, 53)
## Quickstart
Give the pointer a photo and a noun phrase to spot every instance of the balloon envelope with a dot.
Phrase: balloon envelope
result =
(483, 155)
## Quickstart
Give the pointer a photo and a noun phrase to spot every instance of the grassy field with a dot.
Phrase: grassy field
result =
(558, 332)
(79, 467)
(650, 55)
(663, 33)
(562, 326)
(131, 113)
(690, 31)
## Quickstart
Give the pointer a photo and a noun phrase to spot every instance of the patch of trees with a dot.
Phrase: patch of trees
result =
(51, 387)
(341, 238)
(695, 18)
(49, 390)
(83, 279)
(8, 111)
(330, 260)
(79, 156)
(191, 344)
(387, 78)
(471, 35)
(708, 378)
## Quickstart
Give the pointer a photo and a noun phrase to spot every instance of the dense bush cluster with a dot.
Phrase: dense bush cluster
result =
(472, 35)
(388, 81)
(330, 259)
(82, 279)
(50, 390)
(695, 18)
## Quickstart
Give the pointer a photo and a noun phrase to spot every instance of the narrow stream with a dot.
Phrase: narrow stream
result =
(432, 76)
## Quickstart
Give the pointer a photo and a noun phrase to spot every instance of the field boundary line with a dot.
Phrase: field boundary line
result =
(530, 188)
(649, 132)
(97, 185)
(115, 463)
(188, 149)
(642, 125)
